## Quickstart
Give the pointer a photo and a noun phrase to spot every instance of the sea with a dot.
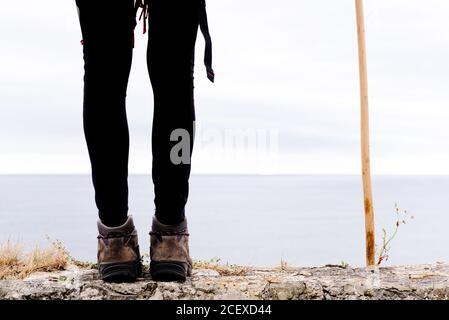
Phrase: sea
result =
(301, 220)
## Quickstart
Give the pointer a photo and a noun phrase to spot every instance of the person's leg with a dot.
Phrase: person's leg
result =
(107, 30)
(108, 44)
(173, 26)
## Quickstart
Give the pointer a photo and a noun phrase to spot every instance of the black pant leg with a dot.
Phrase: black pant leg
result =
(173, 27)
(108, 44)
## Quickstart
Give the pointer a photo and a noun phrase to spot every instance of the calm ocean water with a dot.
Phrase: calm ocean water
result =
(253, 220)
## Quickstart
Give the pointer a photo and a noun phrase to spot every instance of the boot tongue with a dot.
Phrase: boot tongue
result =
(126, 228)
(175, 229)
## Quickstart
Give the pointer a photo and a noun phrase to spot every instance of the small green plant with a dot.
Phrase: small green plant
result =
(145, 258)
(215, 260)
(401, 219)
(224, 269)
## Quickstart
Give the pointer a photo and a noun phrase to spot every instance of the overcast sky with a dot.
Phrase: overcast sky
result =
(286, 74)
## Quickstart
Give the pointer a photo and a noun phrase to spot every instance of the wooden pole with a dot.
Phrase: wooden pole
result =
(366, 167)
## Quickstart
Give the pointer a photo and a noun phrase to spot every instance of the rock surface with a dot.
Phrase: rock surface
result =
(329, 282)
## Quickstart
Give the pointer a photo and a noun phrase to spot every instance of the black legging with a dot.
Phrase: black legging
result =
(108, 45)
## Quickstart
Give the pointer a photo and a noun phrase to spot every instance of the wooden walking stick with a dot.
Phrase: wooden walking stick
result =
(366, 167)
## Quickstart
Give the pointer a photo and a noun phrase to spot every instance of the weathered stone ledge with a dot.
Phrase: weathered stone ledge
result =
(330, 282)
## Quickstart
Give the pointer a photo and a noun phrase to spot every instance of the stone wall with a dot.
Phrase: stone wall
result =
(329, 282)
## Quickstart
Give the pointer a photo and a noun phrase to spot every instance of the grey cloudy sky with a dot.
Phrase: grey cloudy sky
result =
(285, 70)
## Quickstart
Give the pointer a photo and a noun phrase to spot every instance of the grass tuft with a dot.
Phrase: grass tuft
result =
(15, 264)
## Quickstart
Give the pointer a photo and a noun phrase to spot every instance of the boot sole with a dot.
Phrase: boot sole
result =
(120, 272)
(168, 271)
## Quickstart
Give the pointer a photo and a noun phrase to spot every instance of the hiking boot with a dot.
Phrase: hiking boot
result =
(169, 252)
(118, 252)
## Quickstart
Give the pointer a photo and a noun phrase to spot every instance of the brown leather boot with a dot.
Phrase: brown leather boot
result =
(118, 252)
(169, 252)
